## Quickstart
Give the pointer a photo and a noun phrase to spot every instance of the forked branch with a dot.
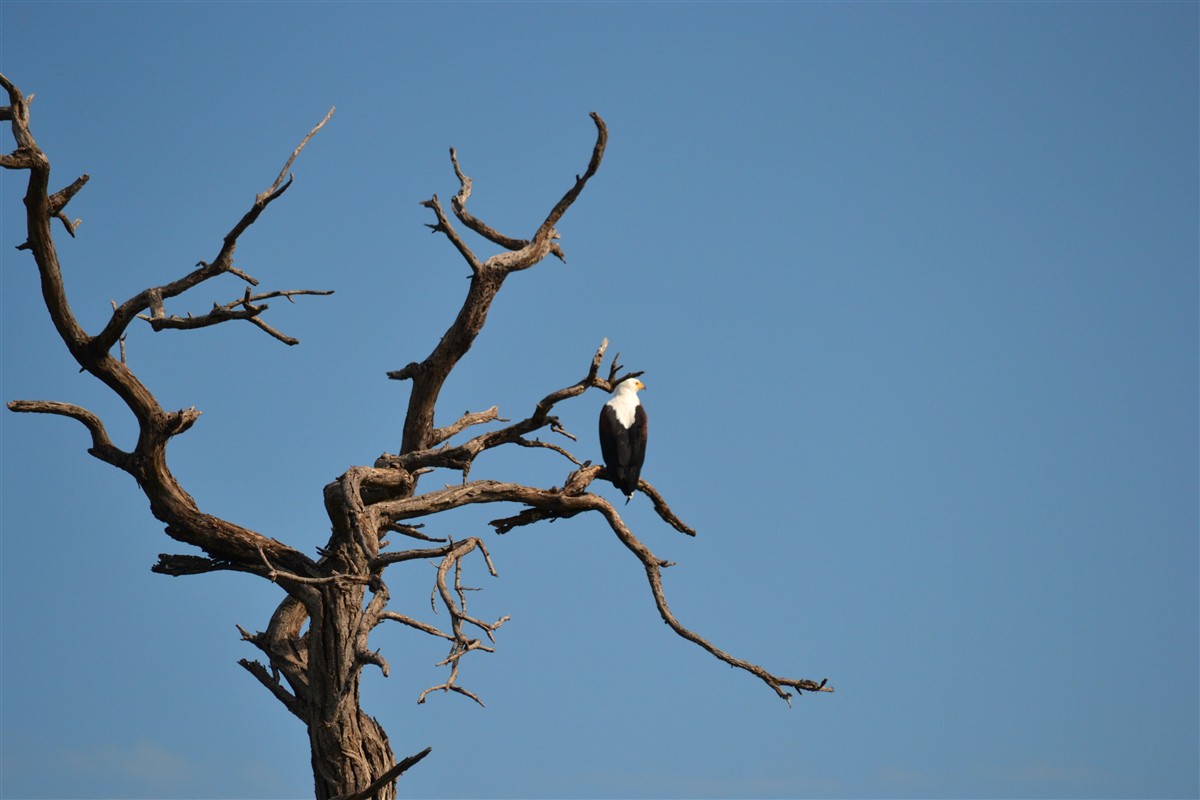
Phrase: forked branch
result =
(460, 643)
(223, 262)
(429, 375)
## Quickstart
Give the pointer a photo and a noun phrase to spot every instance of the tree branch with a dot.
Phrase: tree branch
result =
(465, 421)
(460, 643)
(181, 564)
(443, 226)
(275, 189)
(39, 210)
(458, 204)
(57, 202)
(274, 687)
(137, 304)
(545, 504)
(387, 777)
(229, 311)
(102, 447)
(387, 559)
(414, 623)
(569, 198)
(461, 456)
(429, 375)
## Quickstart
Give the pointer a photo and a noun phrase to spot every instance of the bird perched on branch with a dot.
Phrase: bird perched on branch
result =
(623, 436)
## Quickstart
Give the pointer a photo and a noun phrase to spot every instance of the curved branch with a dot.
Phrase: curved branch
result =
(102, 447)
(459, 204)
(543, 240)
(654, 575)
(562, 205)
(545, 504)
(653, 565)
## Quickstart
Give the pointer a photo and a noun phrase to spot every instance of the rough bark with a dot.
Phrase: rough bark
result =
(316, 644)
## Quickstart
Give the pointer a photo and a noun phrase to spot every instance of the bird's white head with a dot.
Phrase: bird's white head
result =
(630, 386)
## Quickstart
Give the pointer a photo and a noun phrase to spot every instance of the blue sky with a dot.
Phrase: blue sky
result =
(915, 289)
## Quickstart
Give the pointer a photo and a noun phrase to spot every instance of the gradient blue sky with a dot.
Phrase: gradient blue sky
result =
(915, 289)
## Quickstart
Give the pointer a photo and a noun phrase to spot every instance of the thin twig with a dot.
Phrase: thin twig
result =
(283, 172)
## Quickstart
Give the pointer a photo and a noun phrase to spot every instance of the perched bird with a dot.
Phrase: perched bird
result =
(623, 436)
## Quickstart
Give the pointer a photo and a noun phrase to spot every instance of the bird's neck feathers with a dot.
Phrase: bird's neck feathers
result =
(625, 403)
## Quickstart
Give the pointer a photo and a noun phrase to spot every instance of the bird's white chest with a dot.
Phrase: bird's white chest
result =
(625, 407)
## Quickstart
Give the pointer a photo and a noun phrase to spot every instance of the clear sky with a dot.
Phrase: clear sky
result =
(915, 288)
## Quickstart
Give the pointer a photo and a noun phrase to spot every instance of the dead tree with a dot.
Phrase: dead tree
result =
(316, 644)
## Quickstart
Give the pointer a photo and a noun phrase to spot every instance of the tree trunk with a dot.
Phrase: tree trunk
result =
(349, 748)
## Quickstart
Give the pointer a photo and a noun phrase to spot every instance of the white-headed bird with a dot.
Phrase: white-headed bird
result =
(623, 436)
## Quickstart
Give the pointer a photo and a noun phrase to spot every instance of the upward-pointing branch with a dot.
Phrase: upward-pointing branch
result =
(429, 375)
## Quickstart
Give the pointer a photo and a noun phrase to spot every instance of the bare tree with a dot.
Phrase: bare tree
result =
(315, 645)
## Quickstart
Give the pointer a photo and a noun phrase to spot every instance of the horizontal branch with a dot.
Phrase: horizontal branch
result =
(242, 308)
(284, 578)
(387, 559)
(410, 531)
(177, 565)
(414, 623)
(465, 421)
(450, 686)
